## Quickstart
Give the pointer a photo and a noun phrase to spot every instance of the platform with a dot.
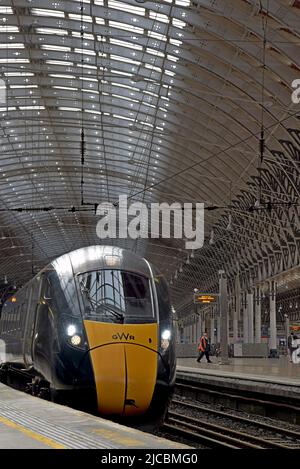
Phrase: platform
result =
(266, 375)
(275, 370)
(28, 422)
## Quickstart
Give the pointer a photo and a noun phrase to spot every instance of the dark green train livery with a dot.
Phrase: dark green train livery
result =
(95, 326)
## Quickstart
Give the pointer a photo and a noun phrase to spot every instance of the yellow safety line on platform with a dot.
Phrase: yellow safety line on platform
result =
(31, 434)
(119, 437)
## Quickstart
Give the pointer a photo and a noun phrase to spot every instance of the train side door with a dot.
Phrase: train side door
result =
(33, 298)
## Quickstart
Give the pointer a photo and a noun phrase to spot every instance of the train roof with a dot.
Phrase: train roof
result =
(95, 257)
(100, 257)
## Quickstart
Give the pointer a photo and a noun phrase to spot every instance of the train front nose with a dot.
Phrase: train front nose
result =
(124, 360)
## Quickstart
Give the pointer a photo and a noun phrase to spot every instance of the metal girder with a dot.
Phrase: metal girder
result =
(264, 242)
(170, 97)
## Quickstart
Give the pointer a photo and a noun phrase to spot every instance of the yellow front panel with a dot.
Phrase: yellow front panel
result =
(109, 372)
(124, 360)
(141, 378)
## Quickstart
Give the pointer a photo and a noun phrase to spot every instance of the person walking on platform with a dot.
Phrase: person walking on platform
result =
(296, 350)
(204, 348)
(290, 345)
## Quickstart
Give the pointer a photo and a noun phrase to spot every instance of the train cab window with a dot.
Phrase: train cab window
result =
(62, 293)
(116, 296)
(163, 299)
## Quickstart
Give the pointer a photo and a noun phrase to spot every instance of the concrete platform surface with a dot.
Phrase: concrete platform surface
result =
(269, 370)
(30, 422)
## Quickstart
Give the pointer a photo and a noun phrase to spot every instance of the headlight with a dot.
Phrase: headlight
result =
(166, 334)
(165, 340)
(71, 330)
(75, 339)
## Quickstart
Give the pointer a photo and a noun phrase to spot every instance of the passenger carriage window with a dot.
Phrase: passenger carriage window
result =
(22, 315)
(3, 322)
(6, 323)
(18, 318)
(13, 320)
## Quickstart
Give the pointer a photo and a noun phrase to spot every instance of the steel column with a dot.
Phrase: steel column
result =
(250, 317)
(218, 329)
(212, 328)
(237, 309)
(273, 325)
(245, 319)
(223, 302)
(258, 315)
(203, 328)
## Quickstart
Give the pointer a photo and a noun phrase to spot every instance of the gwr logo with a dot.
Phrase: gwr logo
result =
(123, 336)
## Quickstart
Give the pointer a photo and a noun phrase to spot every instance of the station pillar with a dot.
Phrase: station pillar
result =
(245, 319)
(287, 326)
(176, 331)
(235, 321)
(181, 334)
(235, 330)
(258, 315)
(223, 303)
(287, 331)
(250, 317)
(212, 328)
(273, 326)
(203, 323)
(187, 334)
(237, 309)
(218, 329)
(198, 328)
(184, 334)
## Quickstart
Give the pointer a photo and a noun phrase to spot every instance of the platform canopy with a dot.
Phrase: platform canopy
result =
(166, 102)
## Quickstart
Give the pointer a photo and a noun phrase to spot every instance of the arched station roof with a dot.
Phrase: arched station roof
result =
(171, 97)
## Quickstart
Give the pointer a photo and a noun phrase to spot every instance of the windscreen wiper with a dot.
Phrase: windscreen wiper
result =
(120, 316)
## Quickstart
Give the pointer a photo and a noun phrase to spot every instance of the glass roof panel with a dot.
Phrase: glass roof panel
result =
(123, 6)
(6, 10)
(153, 86)
(45, 12)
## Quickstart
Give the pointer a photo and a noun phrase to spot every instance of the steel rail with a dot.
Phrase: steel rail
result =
(216, 435)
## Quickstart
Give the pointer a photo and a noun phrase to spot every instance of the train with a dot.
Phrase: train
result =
(95, 326)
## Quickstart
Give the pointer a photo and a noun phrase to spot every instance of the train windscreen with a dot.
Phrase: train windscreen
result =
(116, 296)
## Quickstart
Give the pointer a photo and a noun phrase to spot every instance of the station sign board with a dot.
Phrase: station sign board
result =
(205, 298)
(294, 327)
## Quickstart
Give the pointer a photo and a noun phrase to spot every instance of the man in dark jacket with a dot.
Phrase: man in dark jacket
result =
(290, 341)
(204, 348)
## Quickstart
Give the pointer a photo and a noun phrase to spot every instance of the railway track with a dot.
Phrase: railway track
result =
(218, 436)
(246, 401)
(213, 435)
